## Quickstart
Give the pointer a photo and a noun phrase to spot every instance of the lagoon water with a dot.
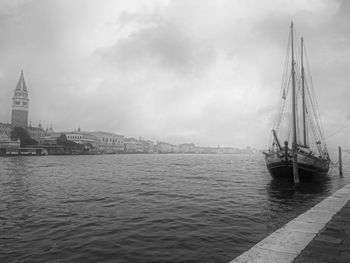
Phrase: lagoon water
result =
(144, 208)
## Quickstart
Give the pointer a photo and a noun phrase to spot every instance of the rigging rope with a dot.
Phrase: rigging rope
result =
(317, 113)
(339, 130)
(285, 81)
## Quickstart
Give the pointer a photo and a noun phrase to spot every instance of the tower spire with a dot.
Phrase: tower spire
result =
(20, 102)
(21, 84)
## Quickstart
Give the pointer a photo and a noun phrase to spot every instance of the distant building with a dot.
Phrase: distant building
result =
(50, 139)
(187, 148)
(148, 146)
(83, 138)
(163, 147)
(109, 142)
(20, 103)
(51, 143)
(19, 116)
(5, 128)
(7, 146)
(132, 145)
(36, 133)
(174, 148)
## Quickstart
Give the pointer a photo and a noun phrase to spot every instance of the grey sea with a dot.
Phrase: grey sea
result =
(145, 208)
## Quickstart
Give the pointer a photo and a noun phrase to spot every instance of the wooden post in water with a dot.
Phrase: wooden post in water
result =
(295, 164)
(340, 162)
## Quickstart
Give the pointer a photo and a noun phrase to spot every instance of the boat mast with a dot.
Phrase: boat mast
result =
(294, 143)
(294, 123)
(303, 93)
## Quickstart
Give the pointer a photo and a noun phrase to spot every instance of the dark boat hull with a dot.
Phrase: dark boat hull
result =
(308, 166)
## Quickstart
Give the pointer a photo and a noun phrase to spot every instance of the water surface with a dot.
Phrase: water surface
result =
(144, 208)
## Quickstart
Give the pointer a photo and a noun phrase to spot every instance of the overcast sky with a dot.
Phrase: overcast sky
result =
(199, 71)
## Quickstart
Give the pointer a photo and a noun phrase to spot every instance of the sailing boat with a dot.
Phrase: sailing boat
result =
(304, 152)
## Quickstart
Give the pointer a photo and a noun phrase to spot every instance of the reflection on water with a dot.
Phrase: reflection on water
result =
(285, 198)
(144, 208)
(284, 189)
(18, 189)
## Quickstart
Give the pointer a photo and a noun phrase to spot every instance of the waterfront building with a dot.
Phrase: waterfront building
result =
(174, 148)
(7, 146)
(229, 150)
(89, 141)
(55, 144)
(132, 145)
(20, 103)
(187, 148)
(5, 128)
(206, 150)
(163, 147)
(109, 142)
(36, 133)
(49, 139)
(147, 146)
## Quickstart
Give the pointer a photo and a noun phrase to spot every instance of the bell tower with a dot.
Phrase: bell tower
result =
(20, 104)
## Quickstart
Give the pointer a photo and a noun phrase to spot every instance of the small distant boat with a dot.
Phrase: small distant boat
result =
(303, 153)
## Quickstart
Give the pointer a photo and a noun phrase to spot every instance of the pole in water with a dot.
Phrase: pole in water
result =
(295, 164)
(286, 151)
(340, 162)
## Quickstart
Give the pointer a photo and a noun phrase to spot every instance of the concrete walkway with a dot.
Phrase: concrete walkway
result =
(287, 243)
(332, 244)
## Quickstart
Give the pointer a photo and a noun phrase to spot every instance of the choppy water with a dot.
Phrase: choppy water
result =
(144, 208)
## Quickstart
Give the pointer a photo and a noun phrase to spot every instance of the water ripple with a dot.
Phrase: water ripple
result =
(144, 208)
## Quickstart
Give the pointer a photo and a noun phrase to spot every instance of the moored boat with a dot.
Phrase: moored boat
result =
(304, 153)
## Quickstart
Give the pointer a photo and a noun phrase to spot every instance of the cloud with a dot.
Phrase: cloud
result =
(8, 8)
(227, 67)
(202, 71)
(156, 42)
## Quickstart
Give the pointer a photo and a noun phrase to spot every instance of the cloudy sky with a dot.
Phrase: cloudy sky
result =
(199, 71)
